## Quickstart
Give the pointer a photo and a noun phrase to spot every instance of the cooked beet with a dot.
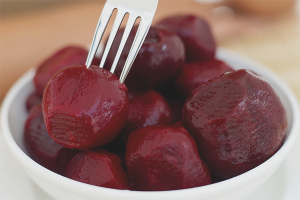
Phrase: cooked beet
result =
(66, 57)
(164, 158)
(41, 147)
(146, 109)
(33, 100)
(196, 35)
(160, 58)
(237, 120)
(85, 108)
(100, 168)
(195, 74)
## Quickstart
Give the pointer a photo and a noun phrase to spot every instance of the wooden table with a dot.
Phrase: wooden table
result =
(28, 38)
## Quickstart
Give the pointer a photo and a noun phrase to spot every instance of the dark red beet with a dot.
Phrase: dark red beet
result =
(237, 120)
(66, 57)
(100, 168)
(33, 100)
(164, 158)
(146, 109)
(160, 58)
(41, 147)
(85, 108)
(196, 35)
(195, 74)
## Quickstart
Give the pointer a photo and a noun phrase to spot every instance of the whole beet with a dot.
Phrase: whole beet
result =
(195, 74)
(195, 33)
(100, 168)
(85, 108)
(41, 147)
(160, 58)
(237, 120)
(66, 57)
(162, 157)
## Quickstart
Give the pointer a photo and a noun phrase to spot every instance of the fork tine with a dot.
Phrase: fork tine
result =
(101, 26)
(136, 45)
(129, 25)
(114, 30)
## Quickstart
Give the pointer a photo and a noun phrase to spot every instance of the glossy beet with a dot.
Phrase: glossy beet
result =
(160, 58)
(196, 35)
(100, 168)
(195, 74)
(164, 158)
(237, 120)
(85, 108)
(41, 147)
(66, 57)
(33, 100)
(146, 109)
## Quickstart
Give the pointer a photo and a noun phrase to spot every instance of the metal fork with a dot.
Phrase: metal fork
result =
(145, 9)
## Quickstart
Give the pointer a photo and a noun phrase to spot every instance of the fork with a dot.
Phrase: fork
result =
(145, 9)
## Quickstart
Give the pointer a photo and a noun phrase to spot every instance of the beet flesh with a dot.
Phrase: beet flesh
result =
(237, 120)
(85, 108)
(164, 158)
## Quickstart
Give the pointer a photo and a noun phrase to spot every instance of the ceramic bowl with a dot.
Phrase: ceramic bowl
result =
(13, 116)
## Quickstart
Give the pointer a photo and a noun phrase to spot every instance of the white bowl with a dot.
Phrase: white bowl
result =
(13, 116)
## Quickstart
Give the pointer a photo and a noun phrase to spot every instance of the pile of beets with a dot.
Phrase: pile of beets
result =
(182, 119)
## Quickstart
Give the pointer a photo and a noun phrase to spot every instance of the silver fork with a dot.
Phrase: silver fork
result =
(145, 9)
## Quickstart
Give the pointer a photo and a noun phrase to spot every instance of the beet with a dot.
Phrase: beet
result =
(100, 168)
(195, 74)
(164, 158)
(66, 57)
(41, 147)
(33, 100)
(195, 33)
(85, 108)
(146, 109)
(160, 58)
(237, 120)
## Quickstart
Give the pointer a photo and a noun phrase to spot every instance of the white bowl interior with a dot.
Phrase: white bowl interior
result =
(14, 115)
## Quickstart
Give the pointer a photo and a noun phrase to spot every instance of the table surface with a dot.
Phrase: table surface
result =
(27, 38)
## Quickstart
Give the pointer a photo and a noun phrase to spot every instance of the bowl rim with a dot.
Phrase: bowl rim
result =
(208, 190)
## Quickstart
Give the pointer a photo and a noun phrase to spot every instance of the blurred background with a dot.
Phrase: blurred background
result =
(265, 30)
